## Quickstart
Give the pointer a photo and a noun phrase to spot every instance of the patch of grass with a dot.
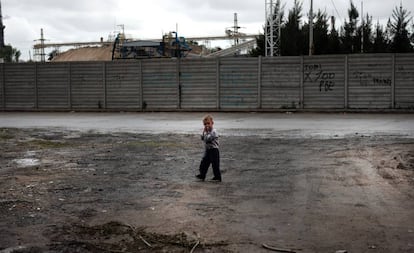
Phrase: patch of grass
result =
(47, 144)
(153, 144)
(5, 134)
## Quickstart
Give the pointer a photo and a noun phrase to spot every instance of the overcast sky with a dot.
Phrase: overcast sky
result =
(89, 20)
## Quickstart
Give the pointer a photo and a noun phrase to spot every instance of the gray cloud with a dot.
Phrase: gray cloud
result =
(80, 20)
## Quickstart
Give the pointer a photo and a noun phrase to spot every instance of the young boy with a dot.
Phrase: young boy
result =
(211, 152)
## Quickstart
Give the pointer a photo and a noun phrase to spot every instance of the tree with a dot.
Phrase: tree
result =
(334, 44)
(412, 34)
(260, 49)
(320, 32)
(52, 54)
(292, 39)
(10, 54)
(381, 41)
(366, 31)
(16, 55)
(400, 37)
(349, 38)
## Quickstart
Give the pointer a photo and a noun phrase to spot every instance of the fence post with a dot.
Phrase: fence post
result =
(259, 83)
(393, 83)
(104, 85)
(36, 102)
(3, 81)
(178, 79)
(346, 90)
(218, 83)
(70, 85)
(301, 99)
(141, 87)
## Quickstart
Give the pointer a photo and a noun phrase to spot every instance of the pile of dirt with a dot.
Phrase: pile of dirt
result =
(396, 166)
(103, 54)
(116, 237)
(110, 237)
(85, 54)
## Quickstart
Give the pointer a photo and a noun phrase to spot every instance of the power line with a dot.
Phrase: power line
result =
(337, 12)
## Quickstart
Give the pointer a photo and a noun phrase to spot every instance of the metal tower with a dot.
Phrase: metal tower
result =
(273, 26)
(236, 28)
(1, 29)
(39, 52)
(234, 31)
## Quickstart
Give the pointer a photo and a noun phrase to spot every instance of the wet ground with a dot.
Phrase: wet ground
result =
(124, 182)
(289, 124)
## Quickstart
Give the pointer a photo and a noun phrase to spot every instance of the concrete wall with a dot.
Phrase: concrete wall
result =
(338, 82)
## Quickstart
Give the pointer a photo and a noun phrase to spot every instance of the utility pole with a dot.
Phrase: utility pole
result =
(311, 46)
(362, 29)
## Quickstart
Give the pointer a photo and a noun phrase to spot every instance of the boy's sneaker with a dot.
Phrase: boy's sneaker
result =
(200, 178)
(214, 179)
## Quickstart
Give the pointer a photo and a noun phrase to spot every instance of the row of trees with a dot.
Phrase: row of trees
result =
(396, 37)
(9, 54)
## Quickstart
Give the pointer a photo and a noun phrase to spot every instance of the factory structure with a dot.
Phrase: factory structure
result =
(170, 45)
(120, 47)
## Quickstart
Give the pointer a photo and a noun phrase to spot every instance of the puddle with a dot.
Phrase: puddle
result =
(30, 153)
(27, 162)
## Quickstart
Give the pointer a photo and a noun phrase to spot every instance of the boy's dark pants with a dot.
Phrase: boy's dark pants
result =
(211, 156)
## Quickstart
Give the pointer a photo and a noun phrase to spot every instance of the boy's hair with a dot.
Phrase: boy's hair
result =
(208, 117)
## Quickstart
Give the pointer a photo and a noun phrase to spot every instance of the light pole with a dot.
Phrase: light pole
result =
(311, 29)
(362, 28)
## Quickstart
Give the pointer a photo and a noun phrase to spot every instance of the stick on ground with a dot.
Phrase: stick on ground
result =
(147, 243)
(195, 246)
(277, 249)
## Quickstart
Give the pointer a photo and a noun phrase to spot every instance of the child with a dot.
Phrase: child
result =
(211, 153)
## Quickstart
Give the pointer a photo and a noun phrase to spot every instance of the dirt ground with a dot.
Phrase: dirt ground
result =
(84, 191)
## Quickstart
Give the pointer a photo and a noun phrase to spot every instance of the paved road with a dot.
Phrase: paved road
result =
(284, 124)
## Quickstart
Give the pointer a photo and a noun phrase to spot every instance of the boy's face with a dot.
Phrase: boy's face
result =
(208, 125)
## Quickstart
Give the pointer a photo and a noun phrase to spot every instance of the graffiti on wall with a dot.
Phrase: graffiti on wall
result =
(314, 73)
(374, 80)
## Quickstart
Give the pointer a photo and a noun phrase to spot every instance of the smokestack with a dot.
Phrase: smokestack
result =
(1, 29)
